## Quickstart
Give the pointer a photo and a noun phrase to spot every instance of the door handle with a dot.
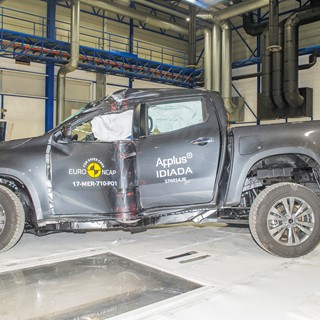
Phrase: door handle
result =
(202, 141)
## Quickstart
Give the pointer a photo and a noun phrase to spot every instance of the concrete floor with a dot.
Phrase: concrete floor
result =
(238, 279)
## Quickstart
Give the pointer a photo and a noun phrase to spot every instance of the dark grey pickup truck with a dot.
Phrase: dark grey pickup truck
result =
(146, 157)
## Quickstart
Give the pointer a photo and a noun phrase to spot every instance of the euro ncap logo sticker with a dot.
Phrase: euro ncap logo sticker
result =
(94, 170)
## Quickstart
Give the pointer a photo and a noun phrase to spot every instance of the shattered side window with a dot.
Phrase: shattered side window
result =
(83, 132)
(171, 116)
(105, 128)
(114, 123)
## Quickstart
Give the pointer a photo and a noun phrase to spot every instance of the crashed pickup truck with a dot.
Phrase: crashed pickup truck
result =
(140, 158)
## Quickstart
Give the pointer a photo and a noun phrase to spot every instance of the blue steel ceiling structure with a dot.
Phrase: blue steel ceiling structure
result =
(36, 46)
(26, 47)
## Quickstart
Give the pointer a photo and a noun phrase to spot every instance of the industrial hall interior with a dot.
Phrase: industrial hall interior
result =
(159, 159)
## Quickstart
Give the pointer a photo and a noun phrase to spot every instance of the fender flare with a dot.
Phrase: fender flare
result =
(16, 175)
(246, 162)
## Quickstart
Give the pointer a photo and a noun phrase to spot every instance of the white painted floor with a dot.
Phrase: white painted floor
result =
(240, 280)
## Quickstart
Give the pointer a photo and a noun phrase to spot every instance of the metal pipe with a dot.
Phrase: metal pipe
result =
(251, 27)
(216, 58)
(207, 58)
(247, 76)
(226, 66)
(192, 58)
(72, 64)
(312, 62)
(238, 9)
(274, 26)
(205, 16)
(163, 9)
(137, 15)
(277, 70)
(277, 73)
(291, 46)
(266, 80)
(220, 18)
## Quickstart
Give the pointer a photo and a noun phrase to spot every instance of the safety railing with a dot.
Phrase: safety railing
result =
(28, 23)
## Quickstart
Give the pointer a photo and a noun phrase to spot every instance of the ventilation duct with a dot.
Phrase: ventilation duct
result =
(72, 64)
(226, 64)
(216, 58)
(222, 76)
(207, 58)
(274, 26)
(238, 9)
(192, 59)
(162, 8)
(134, 14)
(218, 18)
(272, 79)
(291, 47)
(277, 74)
(287, 100)
(265, 97)
(252, 27)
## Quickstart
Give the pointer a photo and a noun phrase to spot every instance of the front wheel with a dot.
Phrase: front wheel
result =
(284, 220)
(12, 219)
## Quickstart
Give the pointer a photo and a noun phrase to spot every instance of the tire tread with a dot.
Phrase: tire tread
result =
(20, 218)
(256, 206)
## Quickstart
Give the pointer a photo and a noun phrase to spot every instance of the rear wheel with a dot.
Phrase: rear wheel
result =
(285, 220)
(12, 219)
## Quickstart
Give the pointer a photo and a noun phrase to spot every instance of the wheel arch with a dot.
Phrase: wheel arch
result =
(243, 165)
(11, 177)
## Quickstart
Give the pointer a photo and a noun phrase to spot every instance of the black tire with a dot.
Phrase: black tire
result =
(285, 220)
(12, 219)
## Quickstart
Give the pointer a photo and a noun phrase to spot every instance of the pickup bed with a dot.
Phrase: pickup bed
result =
(146, 157)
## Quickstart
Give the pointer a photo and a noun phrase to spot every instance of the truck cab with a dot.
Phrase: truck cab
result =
(159, 150)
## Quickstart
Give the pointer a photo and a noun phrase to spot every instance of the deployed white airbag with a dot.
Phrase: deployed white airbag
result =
(114, 126)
